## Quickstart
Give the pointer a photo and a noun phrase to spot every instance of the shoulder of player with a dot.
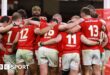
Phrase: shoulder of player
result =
(31, 27)
(63, 34)
(102, 21)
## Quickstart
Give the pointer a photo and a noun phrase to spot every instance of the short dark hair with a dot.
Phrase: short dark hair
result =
(16, 16)
(93, 13)
(91, 7)
(86, 10)
(23, 13)
(5, 19)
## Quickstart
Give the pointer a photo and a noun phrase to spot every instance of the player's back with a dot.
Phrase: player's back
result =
(70, 42)
(26, 37)
(9, 37)
(52, 33)
(91, 28)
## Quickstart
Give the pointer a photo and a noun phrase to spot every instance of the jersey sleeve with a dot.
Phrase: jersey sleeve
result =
(43, 24)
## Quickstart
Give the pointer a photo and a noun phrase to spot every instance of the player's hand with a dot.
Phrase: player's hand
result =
(100, 41)
(2, 47)
(43, 18)
(26, 21)
(21, 25)
(40, 44)
(81, 20)
(51, 25)
(10, 50)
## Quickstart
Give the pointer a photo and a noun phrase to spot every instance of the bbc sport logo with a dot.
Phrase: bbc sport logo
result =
(13, 67)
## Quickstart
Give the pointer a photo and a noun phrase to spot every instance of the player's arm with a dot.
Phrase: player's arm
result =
(43, 31)
(5, 29)
(52, 41)
(29, 21)
(74, 29)
(15, 41)
(16, 38)
(70, 25)
(1, 36)
(88, 42)
(2, 47)
(43, 18)
(103, 24)
(105, 39)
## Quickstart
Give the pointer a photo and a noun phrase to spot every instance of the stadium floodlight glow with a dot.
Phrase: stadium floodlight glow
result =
(4, 7)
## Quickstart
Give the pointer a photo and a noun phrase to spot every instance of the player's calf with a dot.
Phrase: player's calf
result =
(65, 72)
(53, 70)
(33, 69)
(43, 69)
(96, 70)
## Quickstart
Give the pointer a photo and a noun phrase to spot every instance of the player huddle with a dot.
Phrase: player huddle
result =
(55, 47)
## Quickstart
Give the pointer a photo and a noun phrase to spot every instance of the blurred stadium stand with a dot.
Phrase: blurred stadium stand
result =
(67, 8)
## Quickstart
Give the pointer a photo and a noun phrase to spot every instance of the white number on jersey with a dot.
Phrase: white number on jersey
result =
(93, 30)
(49, 34)
(9, 36)
(71, 39)
(24, 33)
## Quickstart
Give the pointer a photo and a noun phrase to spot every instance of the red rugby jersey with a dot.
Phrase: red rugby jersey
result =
(91, 28)
(27, 37)
(52, 33)
(9, 37)
(70, 42)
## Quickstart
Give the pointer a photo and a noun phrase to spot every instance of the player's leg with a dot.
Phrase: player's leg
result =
(87, 59)
(96, 62)
(20, 61)
(36, 61)
(52, 56)
(107, 55)
(74, 64)
(59, 66)
(42, 61)
(43, 69)
(2, 71)
(29, 60)
(20, 71)
(102, 62)
(96, 70)
(53, 70)
(66, 59)
(11, 61)
(87, 70)
(33, 69)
